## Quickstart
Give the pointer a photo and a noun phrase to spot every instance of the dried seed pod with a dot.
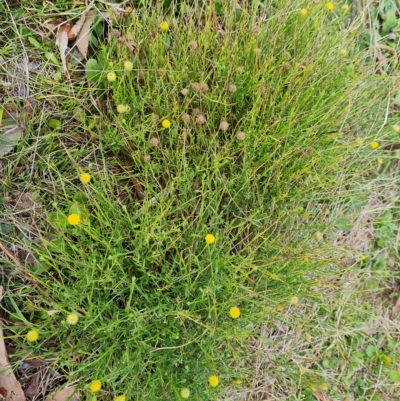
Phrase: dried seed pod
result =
(193, 45)
(223, 126)
(232, 88)
(154, 142)
(184, 92)
(185, 118)
(240, 136)
(195, 86)
(200, 119)
(196, 112)
(204, 87)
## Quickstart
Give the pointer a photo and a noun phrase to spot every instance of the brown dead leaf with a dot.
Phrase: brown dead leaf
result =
(392, 146)
(68, 393)
(321, 397)
(82, 40)
(62, 43)
(10, 388)
(32, 388)
(73, 32)
(130, 45)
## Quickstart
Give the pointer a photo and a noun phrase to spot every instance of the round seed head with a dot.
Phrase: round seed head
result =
(144, 158)
(256, 30)
(196, 86)
(204, 87)
(185, 118)
(196, 112)
(286, 66)
(232, 88)
(184, 92)
(193, 45)
(154, 142)
(223, 126)
(200, 119)
(240, 136)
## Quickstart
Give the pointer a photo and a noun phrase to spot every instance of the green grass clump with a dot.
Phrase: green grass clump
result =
(243, 133)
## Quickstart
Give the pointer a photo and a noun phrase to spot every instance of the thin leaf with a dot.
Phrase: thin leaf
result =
(75, 30)
(62, 43)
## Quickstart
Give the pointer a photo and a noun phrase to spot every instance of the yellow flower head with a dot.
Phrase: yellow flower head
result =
(386, 360)
(121, 108)
(128, 66)
(234, 312)
(213, 381)
(111, 77)
(396, 128)
(303, 12)
(85, 178)
(185, 393)
(330, 6)
(343, 52)
(32, 335)
(120, 398)
(318, 235)
(72, 318)
(164, 26)
(74, 219)
(166, 123)
(362, 257)
(345, 8)
(294, 300)
(210, 239)
(95, 386)
(374, 145)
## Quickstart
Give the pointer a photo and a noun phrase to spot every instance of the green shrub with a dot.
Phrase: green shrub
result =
(264, 117)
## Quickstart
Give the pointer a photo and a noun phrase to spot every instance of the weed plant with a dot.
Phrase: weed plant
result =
(195, 208)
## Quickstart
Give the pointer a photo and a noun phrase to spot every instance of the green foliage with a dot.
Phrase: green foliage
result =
(153, 298)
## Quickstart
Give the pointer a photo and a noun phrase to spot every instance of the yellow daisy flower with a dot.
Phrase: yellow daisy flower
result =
(72, 318)
(32, 335)
(303, 12)
(164, 26)
(210, 239)
(185, 393)
(166, 123)
(111, 77)
(85, 178)
(213, 381)
(330, 6)
(234, 312)
(128, 66)
(95, 386)
(374, 145)
(74, 219)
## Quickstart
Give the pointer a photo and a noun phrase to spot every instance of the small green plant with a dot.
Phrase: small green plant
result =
(196, 210)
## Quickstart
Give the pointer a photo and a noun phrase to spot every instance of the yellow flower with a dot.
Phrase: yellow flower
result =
(32, 335)
(303, 12)
(213, 381)
(210, 239)
(74, 219)
(185, 393)
(396, 128)
(345, 8)
(111, 77)
(164, 26)
(166, 123)
(85, 178)
(308, 337)
(379, 161)
(306, 259)
(95, 386)
(128, 66)
(374, 145)
(120, 398)
(343, 52)
(362, 257)
(234, 312)
(330, 6)
(121, 108)
(294, 300)
(72, 318)
(318, 235)
(386, 360)
(111, 64)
